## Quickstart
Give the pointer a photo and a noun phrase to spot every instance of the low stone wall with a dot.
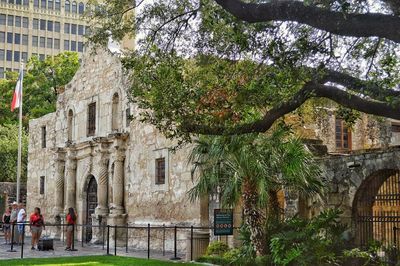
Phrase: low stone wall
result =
(8, 194)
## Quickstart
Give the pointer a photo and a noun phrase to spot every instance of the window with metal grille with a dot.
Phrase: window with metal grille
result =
(41, 187)
(91, 123)
(128, 116)
(343, 136)
(160, 171)
(44, 136)
(395, 128)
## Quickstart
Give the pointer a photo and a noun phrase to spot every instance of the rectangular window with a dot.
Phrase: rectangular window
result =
(17, 38)
(57, 26)
(10, 20)
(2, 19)
(87, 30)
(2, 37)
(42, 42)
(50, 25)
(91, 123)
(17, 21)
(1, 72)
(81, 30)
(395, 128)
(44, 133)
(80, 47)
(50, 4)
(56, 43)
(66, 45)
(25, 22)
(49, 43)
(35, 41)
(35, 24)
(43, 4)
(343, 136)
(73, 45)
(41, 57)
(73, 28)
(25, 39)
(36, 3)
(9, 55)
(9, 37)
(128, 116)
(2, 54)
(41, 187)
(160, 171)
(24, 56)
(43, 24)
(16, 56)
(66, 27)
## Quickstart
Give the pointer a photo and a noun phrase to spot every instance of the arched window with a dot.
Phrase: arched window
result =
(115, 113)
(50, 4)
(67, 6)
(70, 124)
(74, 7)
(81, 8)
(57, 5)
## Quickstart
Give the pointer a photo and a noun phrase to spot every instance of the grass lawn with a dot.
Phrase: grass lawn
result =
(90, 261)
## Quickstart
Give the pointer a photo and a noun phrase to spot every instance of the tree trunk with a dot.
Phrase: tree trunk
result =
(253, 216)
(273, 209)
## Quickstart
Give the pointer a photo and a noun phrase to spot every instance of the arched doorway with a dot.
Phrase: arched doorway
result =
(91, 204)
(376, 209)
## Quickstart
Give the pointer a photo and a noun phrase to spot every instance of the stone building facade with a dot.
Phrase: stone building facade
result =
(114, 170)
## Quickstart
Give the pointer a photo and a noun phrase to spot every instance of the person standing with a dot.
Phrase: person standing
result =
(71, 221)
(36, 222)
(7, 225)
(13, 218)
(21, 221)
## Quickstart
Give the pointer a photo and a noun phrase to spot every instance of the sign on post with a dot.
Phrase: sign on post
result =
(223, 222)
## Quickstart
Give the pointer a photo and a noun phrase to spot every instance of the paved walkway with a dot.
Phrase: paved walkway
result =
(86, 250)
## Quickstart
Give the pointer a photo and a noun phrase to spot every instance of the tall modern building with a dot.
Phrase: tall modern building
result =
(39, 27)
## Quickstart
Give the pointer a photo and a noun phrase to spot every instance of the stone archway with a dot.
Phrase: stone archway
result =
(91, 204)
(376, 208)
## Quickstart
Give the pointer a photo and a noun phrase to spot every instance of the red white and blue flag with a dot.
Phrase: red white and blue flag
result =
(17, 98)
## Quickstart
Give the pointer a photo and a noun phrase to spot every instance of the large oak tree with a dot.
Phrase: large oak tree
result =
(233, 67)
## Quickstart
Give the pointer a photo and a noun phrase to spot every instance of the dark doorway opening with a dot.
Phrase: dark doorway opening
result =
(91, 202)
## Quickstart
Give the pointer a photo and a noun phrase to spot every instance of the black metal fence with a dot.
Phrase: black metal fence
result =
(169, 242)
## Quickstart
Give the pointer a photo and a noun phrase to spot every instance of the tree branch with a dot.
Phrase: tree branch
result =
(356, 25)
(309, 91)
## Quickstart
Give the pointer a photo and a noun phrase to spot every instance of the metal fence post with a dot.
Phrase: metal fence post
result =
(23, 240)
(73, 238)
(115, 240)
(104, 229)
(108, 240)
(191, 243)
(126, 239)
(12, 238)
(82, 235)
(148, 241)
(163, 247)
(395, 236)
(175, 245)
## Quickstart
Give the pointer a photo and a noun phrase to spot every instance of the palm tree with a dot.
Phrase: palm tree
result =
(253, 168)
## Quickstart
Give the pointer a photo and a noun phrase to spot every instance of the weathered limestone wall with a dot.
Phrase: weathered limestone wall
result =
(8, 194)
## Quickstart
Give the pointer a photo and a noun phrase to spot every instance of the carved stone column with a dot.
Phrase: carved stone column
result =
(59, 194)
(71, 182)
(102, 208)
(118, 185)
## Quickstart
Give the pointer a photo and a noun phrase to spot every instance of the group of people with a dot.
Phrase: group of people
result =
(14, 218)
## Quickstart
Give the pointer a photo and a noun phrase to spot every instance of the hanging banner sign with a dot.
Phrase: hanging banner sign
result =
(223, 222)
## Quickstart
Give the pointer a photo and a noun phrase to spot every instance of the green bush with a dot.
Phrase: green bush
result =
(217, 248)
(218, 260)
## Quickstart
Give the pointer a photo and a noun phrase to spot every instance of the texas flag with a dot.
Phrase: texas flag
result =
(17, 98)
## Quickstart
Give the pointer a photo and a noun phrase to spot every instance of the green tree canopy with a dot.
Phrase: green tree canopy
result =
(233, 67)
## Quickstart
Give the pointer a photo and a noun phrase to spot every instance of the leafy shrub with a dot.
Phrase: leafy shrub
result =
(218, 260)
(217, 248)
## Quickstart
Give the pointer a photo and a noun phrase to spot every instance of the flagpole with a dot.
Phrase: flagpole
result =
(20, 139)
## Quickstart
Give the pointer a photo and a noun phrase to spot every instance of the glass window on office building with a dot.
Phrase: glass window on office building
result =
(57, 5)
(18, 2)
(80, 47)
(10, 20)
(66, 28)
(73, 45)
(56, 26)
(66, 45)
(42, 42)
(1, 72)
(73, 28)
(25, 22)
(35, 41)
(56, 43)
(49, 43)
(2, 37)
(50, 4)
(25, 39)
(43, 4)
(81, 8)
(43, 24)
(25, 2)
(24, 56)
(50, 25)
(17, 21)
(36, 3)
(2, 54)
(67, 6)
(2, 19)
(42, 57)
(9, 55)
(9, 37)
(16, 56)
(74, 9)
(35, 24)
(81, 29)
(17, 38)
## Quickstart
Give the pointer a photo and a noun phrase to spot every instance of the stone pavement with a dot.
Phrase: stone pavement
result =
(86, 250)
